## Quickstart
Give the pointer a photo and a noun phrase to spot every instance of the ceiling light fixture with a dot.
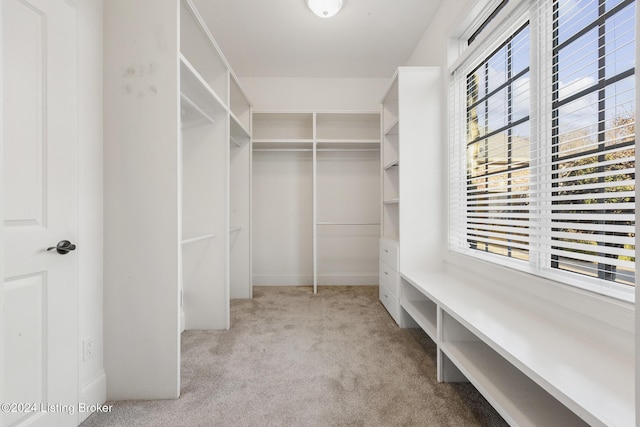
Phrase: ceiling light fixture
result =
(325, 8)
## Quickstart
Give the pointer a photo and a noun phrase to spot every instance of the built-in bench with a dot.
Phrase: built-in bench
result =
(535, 364)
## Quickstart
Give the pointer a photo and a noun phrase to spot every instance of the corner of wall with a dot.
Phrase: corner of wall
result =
(92, 380)
(432, 48)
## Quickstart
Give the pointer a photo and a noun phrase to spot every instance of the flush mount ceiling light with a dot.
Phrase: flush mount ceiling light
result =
(325, 8)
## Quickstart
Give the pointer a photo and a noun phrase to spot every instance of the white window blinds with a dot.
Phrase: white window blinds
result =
(542, 156)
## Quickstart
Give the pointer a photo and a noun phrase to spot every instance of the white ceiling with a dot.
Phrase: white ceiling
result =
(283, 38)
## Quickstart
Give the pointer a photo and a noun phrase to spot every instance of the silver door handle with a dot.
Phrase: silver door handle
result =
(63, 247)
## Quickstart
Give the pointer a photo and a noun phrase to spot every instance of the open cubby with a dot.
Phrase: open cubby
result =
(390, 107)
(240, 218)
(422, 309)
(197, 46)
(390, 148)
(282, 127)
(535, 364)
(196, 91)
(391, 183)
(204, 244)
(390, 221)
(515, 395)
(239, 104)
(347, 127)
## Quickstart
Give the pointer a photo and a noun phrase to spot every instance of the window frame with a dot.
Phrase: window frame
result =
(501, 27)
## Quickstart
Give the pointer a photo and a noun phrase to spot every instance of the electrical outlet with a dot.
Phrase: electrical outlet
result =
(89, 348)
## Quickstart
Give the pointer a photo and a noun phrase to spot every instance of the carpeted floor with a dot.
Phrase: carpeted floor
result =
(293, 358)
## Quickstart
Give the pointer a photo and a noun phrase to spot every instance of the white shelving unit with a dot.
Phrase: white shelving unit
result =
(324, 167)
(390, 163)
(532, 363)
(178, 176)
(410, 135)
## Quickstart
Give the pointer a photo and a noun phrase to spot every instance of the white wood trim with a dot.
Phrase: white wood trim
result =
(488, 34)
(2, 344)
(93, 393)
(315, 204)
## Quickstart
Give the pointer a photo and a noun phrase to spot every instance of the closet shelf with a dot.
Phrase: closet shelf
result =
(191, 114)
(238, 131)
(196, 89)
(284, 150)
(338, 150)
(512, 390)
(346, 223)
(345, 145)
(347, 141)
(198, 238)
(393, 127)
(236, 142)
(283, 141)
(282, 145)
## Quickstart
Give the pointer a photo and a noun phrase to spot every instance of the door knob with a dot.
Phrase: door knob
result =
(63, 247)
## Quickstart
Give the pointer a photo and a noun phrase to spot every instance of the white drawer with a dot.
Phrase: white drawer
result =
(390, 302)
(389, 253)
(390, 278)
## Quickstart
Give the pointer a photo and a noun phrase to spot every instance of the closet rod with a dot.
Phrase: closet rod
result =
(347, 223)
(197, 239)
(236, 143)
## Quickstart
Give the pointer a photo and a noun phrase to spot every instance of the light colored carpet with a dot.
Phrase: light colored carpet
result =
(293, 358)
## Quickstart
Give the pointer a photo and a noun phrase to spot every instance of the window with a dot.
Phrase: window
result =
(542, 156)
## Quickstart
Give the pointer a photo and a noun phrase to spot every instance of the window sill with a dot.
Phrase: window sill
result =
(600, 308)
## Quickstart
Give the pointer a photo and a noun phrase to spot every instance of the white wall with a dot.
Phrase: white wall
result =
(431, 50)
(314, 94)
(90, 194)
(141, 196)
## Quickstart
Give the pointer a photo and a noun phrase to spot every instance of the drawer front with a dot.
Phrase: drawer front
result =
(389, 253)
(390, 302)
(390, 278)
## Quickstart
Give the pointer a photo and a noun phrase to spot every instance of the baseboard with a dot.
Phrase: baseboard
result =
(348, 279)
(93, 394)
(336, 279)
(282, 280)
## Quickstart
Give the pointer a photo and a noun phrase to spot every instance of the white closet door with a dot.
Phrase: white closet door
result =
(40, 189)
